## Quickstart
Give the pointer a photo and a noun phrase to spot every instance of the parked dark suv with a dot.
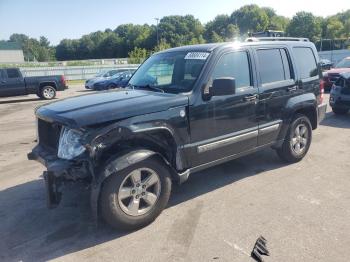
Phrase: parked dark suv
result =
(186, 109)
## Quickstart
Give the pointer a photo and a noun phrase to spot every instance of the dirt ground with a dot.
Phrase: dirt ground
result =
(303, 210)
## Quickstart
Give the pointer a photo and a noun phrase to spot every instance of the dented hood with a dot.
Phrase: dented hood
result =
(108, 106)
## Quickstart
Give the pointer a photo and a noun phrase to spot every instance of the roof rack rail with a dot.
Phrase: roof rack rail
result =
(257, 39)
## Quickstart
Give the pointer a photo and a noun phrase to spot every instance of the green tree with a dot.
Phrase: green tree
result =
(180, 30)
(250, 18)
(334, 28)
(305, 24)
(67, 49)
(347, 28)
(220, 29)
(270, 12)
(86, 47)
(110, 46)
(163, 45)
(44, 42)
(33, 49)
(138, 55)
(278, 23)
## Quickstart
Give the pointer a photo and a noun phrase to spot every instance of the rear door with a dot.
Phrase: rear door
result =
(308, 72)
(12, 83)
(277, 84)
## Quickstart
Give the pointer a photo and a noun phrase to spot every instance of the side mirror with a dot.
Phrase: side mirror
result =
(223, 86)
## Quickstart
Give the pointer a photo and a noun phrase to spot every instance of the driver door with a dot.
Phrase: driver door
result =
(223, 126)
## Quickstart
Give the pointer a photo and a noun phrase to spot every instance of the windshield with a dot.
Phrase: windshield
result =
(345, 63)
(171, 72)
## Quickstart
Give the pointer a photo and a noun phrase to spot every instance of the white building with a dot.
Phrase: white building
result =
(11, 52)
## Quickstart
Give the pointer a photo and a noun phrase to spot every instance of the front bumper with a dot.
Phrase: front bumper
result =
(89, 84)
(321, 112)
(58, 171)
(49, 160)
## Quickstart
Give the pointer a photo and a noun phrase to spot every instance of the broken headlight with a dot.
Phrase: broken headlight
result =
(69, 144)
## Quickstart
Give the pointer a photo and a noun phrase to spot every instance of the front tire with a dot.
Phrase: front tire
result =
(135, 196)
(297, 141)
(47, 93)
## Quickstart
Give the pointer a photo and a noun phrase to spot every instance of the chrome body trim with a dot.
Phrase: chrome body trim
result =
(227, 141)
(269, 129)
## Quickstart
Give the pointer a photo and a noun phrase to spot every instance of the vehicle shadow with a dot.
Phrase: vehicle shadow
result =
(338, 121)
(31, 232)
(22, 100)
(85, 91)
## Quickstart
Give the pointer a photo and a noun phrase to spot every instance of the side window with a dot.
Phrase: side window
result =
(306, 62)
(12, 73)
(2, 75)
(273, 65)
(236, 65)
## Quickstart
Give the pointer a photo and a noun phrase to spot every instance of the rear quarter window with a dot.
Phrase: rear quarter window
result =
(12, 73)
(306, 62)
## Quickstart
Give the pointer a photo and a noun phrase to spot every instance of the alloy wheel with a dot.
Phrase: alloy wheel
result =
(48, 92)
(300, 139)
(139, 191)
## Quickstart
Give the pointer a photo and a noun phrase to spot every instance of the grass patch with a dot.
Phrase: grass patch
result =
(75, 82)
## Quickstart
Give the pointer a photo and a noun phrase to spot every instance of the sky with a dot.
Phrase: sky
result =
(59, 19)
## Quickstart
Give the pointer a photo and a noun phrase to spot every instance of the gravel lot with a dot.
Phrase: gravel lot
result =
(303, 210)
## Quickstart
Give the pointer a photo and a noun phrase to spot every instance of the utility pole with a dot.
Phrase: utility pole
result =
(157, 19)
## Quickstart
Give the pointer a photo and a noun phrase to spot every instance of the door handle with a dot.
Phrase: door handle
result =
(292, 89)
(250, 98)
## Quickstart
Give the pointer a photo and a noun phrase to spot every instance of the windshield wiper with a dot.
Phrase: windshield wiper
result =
(153, 88)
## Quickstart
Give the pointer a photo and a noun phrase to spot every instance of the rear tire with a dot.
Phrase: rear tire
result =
(297, 141)
(47, 93)
(339, 111)
(135, 196)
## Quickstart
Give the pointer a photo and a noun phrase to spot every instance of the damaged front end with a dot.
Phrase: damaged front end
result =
(64, 155)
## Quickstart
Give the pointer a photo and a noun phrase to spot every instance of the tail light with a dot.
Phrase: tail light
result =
(322, 83)
(63, 80)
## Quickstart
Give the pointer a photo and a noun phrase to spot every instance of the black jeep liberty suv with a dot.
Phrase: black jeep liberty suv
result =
(185, 109)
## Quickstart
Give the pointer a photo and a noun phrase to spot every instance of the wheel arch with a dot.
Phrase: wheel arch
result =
(310, 113)
(305, 104)
(48, 83)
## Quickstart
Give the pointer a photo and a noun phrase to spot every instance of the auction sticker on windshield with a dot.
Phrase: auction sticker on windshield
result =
(197, 55)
